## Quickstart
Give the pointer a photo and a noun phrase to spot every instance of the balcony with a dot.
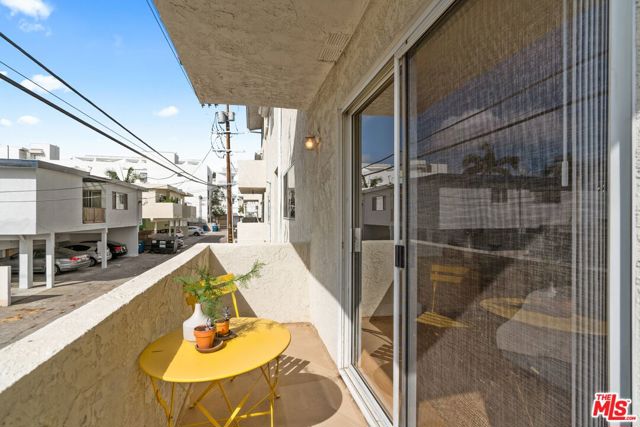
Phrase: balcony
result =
(168, 210)
(93, 215)
(94, 350)
(251, 176)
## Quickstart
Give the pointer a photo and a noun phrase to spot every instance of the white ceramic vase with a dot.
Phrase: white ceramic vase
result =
(197, 318)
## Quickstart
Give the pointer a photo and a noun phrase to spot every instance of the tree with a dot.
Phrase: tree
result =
(131, 176)
(217, 196)
(374, 182)
(488, 164)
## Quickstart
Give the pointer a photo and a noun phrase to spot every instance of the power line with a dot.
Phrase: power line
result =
(44, 67)
(83, 122)
(375, 172)
(377, 161)
(69, 104)
(170, 45)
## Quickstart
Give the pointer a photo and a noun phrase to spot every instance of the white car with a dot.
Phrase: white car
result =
(195, 231)
(91, 249)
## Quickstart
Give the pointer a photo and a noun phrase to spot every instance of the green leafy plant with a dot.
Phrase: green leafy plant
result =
(208, 289)
(131, 177)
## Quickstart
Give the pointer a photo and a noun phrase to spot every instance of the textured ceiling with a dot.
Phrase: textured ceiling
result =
(272, 53)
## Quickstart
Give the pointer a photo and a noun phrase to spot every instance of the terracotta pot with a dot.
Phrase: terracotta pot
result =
(222, 327)
(204, 336)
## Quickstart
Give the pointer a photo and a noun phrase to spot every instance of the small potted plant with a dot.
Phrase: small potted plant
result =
(222, 323)
(204, 336)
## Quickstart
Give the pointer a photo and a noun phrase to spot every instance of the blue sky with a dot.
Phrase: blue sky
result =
(114, 53)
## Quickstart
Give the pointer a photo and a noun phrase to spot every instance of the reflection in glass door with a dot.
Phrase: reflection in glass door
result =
(507, 213)
(373, 266)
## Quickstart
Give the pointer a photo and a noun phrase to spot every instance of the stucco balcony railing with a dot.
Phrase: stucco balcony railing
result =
(165, 210)
(93, 215)
(82, 368)
(252, 176)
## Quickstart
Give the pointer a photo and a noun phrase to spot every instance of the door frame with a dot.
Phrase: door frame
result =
(368, 403)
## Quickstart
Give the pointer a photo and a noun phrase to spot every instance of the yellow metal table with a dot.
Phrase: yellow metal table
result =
(259, 344)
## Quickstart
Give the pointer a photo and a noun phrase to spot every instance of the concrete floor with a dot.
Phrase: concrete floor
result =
(311, 390)
(34, 307)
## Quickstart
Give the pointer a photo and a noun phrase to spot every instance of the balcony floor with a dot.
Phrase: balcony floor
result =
(312, 392)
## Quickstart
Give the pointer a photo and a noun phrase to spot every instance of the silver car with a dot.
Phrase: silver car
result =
(65, 260)
(95, 256)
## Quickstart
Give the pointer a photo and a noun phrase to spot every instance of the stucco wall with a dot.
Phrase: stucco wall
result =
(281, 292)
(18, 184)
(59, 210)
(382, 24)
(123, 217)
(82, 369)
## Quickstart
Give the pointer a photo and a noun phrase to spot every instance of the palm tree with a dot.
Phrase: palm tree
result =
(488, 164)
(131, 176)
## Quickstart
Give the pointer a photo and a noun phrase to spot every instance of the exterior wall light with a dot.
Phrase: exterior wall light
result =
(311, 142)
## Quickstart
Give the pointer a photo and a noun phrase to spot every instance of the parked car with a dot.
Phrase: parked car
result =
(117, 249)
(164, 243)
(65, 260)
(90, 249)
(177, 233)
(195, 230)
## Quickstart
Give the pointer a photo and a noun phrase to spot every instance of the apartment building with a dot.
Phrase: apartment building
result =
(44, 202)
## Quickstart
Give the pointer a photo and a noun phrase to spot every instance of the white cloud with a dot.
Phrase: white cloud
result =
(37, 9)
(31, 27)
(4, 73)
(28, 120)
(5, 122)
(169, 111)
(50, 83)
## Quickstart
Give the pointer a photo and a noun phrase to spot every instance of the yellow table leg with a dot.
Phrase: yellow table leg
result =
(168, 408)
(271, 379)
(203, 394)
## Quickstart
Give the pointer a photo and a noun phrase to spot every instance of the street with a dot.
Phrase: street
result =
(35, 307)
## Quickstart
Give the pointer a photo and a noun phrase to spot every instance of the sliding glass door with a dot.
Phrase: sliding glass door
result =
(506, 135)
(372, 257)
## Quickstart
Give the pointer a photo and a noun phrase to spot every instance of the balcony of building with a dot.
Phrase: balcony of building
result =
(251, 176)
(164, 202)
(93, 203)
(83, 369)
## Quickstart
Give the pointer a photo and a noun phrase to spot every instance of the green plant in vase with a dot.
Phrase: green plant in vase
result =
(207, 290)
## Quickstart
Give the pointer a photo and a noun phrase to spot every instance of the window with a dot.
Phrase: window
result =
(508, 300)
(91, 198)
(377, 203)
(120, 201)
(498, 195)
(289, 185)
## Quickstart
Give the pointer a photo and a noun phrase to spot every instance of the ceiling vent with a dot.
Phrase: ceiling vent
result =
(333, 47)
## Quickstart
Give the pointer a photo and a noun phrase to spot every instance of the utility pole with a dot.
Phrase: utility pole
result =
(229, 199)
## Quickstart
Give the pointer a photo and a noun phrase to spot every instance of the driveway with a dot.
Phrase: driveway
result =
(35, 307)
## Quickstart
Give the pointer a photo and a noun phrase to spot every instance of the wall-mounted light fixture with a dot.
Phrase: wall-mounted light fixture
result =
(311, 142)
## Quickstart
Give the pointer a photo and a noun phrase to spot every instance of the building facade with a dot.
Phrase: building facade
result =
(45, 203)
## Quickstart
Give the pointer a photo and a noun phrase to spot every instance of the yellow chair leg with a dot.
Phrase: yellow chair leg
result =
(235, 304)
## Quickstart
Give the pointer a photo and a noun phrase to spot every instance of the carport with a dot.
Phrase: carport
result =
(25, 245)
